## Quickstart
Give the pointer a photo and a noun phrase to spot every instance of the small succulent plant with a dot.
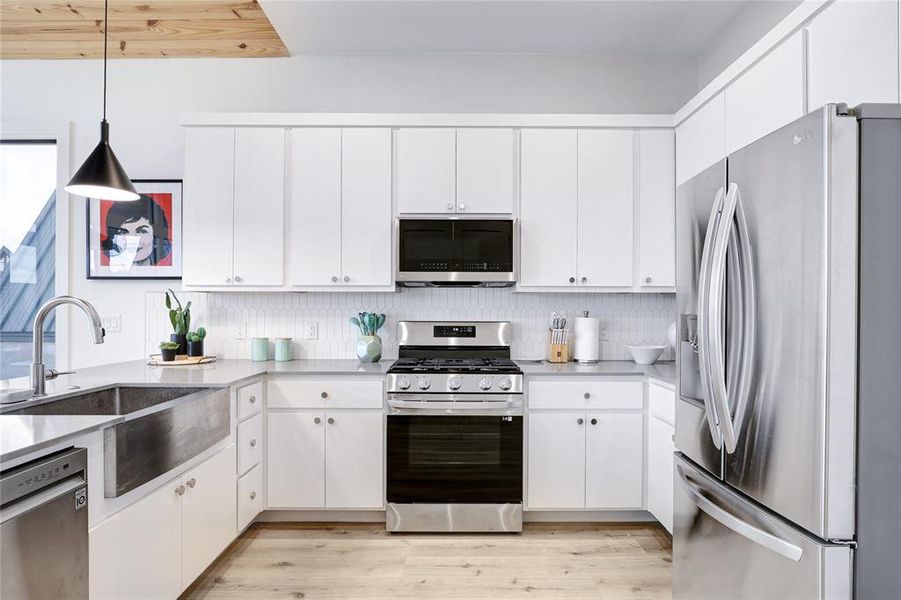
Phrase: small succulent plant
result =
(196, 336)
(369, 323)
(169, 345)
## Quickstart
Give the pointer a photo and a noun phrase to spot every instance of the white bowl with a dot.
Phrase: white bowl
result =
(645, 355)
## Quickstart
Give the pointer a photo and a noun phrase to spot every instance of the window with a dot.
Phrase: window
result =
(28, 180)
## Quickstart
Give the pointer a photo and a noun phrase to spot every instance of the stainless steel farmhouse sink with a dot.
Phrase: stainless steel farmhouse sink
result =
(163, 428)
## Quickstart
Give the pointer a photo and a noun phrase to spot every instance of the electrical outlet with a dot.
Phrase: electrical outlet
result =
(312, 332)
(241, 331)
(111, 323)
(605, 331)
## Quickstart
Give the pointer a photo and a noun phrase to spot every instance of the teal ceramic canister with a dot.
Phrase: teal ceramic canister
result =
(259, 349)
(369, 348)
(283, 349)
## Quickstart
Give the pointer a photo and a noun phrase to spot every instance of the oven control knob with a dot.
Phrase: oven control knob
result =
(403, 383)
(454, 382)
(423, 383)
(485, 384)
(505, 383)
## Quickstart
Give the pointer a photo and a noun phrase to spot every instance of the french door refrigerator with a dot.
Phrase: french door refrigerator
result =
(788, 420)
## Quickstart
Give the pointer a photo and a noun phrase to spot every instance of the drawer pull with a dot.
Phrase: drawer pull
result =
(587, 395)
(317, 420)
(253, 399)
(253, 443)
(323, 395)
(191, 482)
(253, 495)
(331, 420)
(594, 421)
(580, 420)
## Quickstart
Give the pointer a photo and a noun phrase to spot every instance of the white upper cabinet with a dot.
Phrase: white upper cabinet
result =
(656, 209)
(208, 215)
(701, 139)
(259, 206)
(425, 170)
(605, 204)
(485, 170)
(315, 206)
(341, 208)
(548, 207)
(853, 54)
(234, 220)
(769, 95)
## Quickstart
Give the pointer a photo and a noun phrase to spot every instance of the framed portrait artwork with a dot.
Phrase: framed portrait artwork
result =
(138, 239)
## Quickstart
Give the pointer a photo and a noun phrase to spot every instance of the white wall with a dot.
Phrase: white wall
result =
(147, 97)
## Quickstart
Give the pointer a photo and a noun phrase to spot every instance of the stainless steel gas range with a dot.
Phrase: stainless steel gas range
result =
(455, 429)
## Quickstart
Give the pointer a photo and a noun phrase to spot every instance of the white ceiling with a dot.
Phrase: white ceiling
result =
(637, 27)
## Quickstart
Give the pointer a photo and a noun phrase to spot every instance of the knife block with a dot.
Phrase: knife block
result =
(557, 353)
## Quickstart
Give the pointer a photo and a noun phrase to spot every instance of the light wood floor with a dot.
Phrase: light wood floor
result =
(577, 560)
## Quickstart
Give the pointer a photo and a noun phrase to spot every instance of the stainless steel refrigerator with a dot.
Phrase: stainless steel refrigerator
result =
(788, 421)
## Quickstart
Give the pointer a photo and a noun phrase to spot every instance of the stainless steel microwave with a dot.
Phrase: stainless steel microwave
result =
(457, 252)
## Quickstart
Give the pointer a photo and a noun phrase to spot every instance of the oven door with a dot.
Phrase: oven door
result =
(455, 459)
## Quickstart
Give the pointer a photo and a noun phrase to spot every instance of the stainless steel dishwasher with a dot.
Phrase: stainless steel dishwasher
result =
(44, 527)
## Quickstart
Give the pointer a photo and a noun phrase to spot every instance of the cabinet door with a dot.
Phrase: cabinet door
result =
(614, 463)
(250, 497)
(366, 219)
(766, 97)
(605, 208)
(656, 209)
(852, 54)
(556, 460)
(425, 170)
(315, 207)
(548, 207)
(485, 170)
(660, 471)
(354, 451)
(701, 139)
(136, 553)
(295, 459)
(209, 513)
(259, 206)
(209, 214)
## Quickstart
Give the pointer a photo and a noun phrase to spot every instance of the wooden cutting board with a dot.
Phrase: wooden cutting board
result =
(181, 360)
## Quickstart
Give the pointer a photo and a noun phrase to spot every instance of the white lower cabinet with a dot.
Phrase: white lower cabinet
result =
(325, 459)
(157, 546)
(581, 460)
(250, 497)
(660, 471)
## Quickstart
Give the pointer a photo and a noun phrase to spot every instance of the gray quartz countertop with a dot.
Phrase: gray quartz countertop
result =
(662, 371)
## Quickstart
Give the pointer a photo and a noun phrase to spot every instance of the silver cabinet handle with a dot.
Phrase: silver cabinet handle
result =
(228, 280)
(584, 280)
(253, 495)
(191, 482)
(317, 420)
(238, 279)
(253, 443)
(331, 420)
(594, 421)
(586, 395)
(253, 399)
(462, 207)
(180, 490)
(450, 206)
(346, 279)
(323, 395)
(647, 280)
(727, 519)
(334, 278)
(580, 420)
(572, 279)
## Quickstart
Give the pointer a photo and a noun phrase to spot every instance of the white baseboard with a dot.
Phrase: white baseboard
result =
(529, 516)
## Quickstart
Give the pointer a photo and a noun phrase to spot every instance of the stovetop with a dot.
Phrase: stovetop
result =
(455, 365)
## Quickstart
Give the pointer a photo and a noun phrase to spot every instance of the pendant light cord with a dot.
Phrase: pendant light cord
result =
(105, 34)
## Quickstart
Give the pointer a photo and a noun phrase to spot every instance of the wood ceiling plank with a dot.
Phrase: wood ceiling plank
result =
(146, 30)
(145, 49)
(129, 10)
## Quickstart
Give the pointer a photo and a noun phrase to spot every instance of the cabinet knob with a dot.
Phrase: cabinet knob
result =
(450, 206)
(594, 421)
(317, 420)
(331, 420)
(191, 482)
(334, 279)
(586, 395)
(323, 395)
(253, 495)
(253, 443)
(238, 279)
(253, 399)
(180, 490)
(228, 280)
(346, 279)
(462, 207)
(572, 279)
(580, 420)
(584, 280)
(647, 280)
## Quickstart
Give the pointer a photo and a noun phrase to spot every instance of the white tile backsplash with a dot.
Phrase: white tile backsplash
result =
(631, 318)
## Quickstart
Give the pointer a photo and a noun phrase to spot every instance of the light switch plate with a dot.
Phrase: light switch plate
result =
(111, 323)
(604, 331)
(312, 331)
(241, 331)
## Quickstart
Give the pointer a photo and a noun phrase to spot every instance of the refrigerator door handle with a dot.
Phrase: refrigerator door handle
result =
(742, 528)
(704, 356)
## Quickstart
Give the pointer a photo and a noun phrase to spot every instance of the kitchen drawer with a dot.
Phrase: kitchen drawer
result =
(250, 496)
(580, 393)
(250, 400)
(662, 403)
(250, 443)
(325, 393)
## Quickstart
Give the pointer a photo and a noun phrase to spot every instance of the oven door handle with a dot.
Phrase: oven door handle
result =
(414, 407)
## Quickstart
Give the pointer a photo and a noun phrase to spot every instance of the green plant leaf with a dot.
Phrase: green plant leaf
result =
(173, 318)
(168, 301)
(201, 332)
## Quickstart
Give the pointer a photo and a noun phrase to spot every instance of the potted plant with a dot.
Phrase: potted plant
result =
(369, 346)
(168, 350)
(195, 342)
(180, 317)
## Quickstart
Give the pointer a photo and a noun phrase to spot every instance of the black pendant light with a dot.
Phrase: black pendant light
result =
(101, 175)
